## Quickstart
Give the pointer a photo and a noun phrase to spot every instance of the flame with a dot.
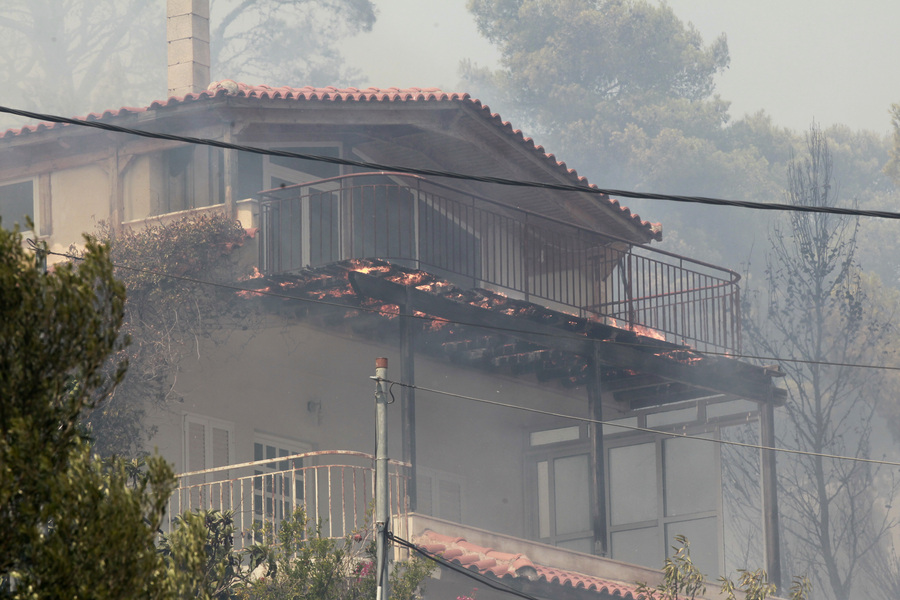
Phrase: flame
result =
(337, 292)
(367, 266)
(415, 278)
(432, 323)
(647, 332)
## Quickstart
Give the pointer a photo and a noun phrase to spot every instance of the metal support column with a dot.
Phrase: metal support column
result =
(598, 470)
(770, 494)
(408, 397)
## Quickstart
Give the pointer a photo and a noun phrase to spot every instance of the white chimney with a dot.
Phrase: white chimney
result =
(187, 31)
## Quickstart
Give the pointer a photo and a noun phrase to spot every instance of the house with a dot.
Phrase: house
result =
(483, 296)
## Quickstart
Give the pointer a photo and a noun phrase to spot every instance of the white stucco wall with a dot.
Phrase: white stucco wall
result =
(265, 379)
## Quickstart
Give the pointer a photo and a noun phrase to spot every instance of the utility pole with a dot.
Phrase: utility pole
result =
(382, 509)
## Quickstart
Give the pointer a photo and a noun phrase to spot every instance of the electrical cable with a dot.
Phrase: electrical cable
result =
(497, 328)
(451, 174)
(645, 429)
(475, 576)
(513, 406)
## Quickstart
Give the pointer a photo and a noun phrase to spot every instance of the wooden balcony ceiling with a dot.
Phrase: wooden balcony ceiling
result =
(485, 330)
(413, 127)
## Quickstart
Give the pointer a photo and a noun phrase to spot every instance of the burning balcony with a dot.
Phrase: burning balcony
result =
(335, 488)
(476, 242)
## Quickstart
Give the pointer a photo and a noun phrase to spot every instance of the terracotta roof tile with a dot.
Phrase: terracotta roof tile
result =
(487, 561)
(229, 88)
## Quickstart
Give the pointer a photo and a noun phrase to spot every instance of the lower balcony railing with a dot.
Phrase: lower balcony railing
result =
(477, 242)
(335, 489)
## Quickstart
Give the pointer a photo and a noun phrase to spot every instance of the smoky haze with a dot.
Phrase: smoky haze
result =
(797, 62)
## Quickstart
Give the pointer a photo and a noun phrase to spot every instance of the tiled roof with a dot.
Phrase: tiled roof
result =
(502, 565)
(229, 88)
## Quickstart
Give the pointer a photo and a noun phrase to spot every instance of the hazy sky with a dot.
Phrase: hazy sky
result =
(832, 60)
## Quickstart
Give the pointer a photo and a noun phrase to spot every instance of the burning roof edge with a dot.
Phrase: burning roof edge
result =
(221, 90)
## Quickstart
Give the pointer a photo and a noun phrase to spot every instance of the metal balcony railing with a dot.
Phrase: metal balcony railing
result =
(477, 242)
(335, 488)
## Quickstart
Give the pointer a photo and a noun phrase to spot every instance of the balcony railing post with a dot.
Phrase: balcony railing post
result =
(476, 241)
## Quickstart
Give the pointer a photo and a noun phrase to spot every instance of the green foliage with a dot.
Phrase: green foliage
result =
(73, 526)
(199, 553)
(166, 318)
(682, 580)
(297, 562)
(582, 73)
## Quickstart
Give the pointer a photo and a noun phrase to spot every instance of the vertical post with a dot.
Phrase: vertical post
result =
(770, 494)
(382, 510)
(598, 470)
(408, 397)
(230, 176)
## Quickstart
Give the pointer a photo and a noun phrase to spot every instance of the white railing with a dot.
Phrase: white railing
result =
(335, 488)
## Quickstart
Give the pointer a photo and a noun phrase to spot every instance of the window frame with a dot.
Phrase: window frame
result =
(35, 204)
(549, 452)
(436, 476)
(209, 424)
(662, 521)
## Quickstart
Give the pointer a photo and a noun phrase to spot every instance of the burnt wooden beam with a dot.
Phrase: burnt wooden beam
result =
(437, 306)
(665, 360)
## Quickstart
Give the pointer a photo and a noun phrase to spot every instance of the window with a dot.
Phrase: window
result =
(192, 178)
(439, 494)
(661, 488)
(559, 472)
(278, 485)
(17, 201)
(309, 227)
(207, 445)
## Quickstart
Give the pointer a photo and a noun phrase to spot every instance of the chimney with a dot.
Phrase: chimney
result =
(187, 31)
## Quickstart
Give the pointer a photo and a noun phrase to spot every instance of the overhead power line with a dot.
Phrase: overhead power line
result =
(503, 404)
(772, 206)
(430, 318)
(475, 576)
(673, 434)
(424, 317)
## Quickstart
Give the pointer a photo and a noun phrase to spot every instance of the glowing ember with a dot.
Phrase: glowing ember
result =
(647, 332)
(683, 356)
(431, 323)
(367, 266)
(253, 294)
(414, 278)
(391, 311)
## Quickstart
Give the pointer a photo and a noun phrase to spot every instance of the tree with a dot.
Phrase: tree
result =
(597, 76)
(821, 312)
(247, 35)
(73, 526)
(166, 317)
(892, 168)
(626, 90)
(296, 562)
(76, 56)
